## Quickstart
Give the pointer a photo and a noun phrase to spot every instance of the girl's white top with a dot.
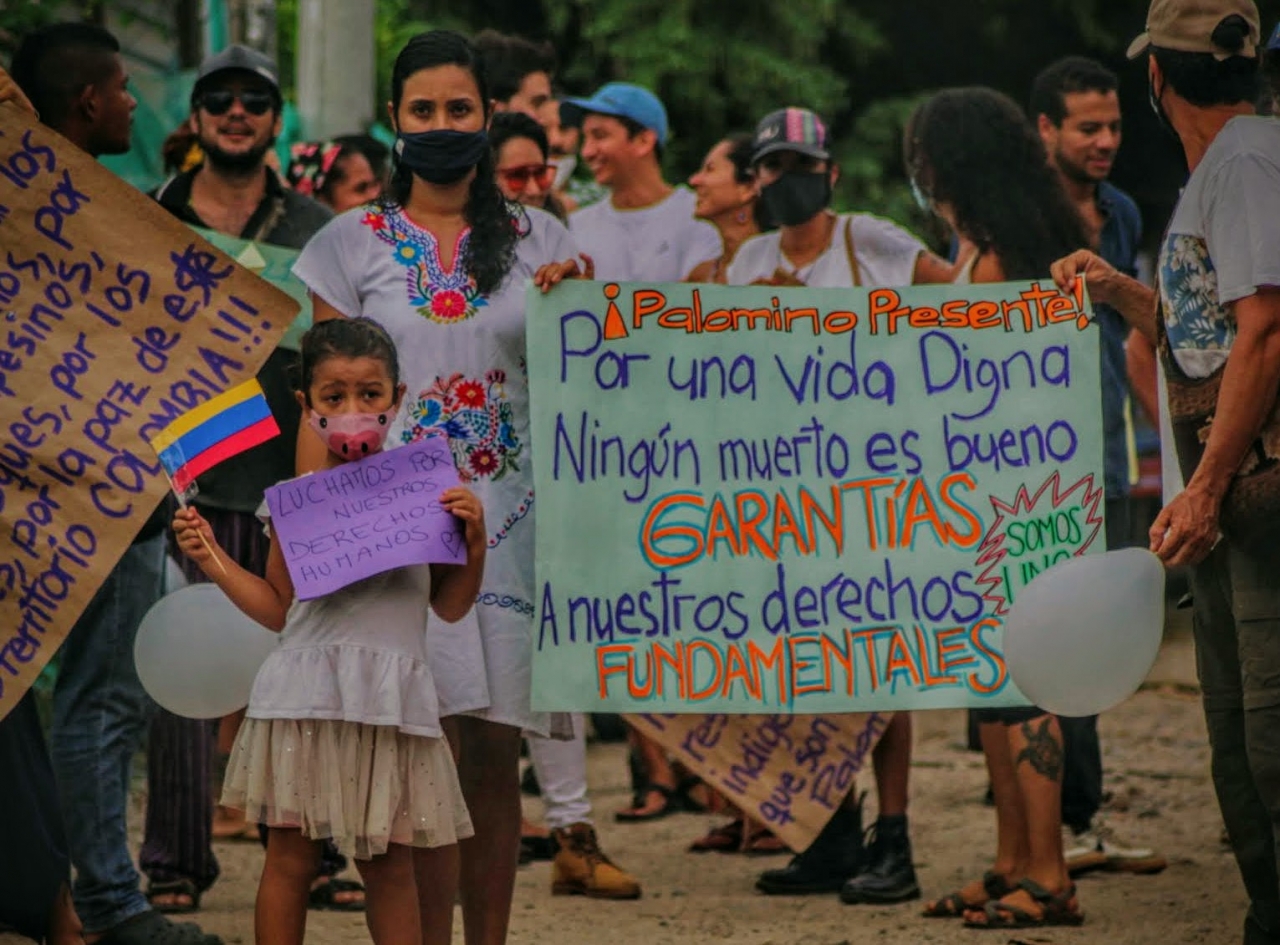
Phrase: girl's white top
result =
(356, 655)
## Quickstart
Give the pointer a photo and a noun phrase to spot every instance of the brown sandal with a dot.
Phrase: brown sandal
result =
(954, 905)
(727, 838)
(761, 841)
(1056, 909)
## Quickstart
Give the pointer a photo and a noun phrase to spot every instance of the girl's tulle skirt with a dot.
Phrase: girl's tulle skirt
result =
(365, 786)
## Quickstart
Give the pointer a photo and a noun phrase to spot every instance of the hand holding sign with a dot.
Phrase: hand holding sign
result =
(363, 518)
(1082, 636)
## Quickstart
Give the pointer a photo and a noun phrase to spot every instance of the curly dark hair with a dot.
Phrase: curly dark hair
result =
(345, 338)
(496, 225)
(974, 150)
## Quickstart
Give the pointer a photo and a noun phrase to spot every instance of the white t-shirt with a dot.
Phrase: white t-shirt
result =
(886, 255)
(661, 243)
(1223, 242)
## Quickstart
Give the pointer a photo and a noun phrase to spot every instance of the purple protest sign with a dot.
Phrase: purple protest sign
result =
(360, 519)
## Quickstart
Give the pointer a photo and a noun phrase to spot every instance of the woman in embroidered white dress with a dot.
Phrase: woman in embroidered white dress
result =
(443, 262)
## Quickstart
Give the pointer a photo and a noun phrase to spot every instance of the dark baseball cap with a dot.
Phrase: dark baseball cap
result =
(791, 129)
(237, 58)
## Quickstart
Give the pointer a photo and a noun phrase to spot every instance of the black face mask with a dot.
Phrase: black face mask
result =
(441, 157)
(797, 196)
(1158, 108)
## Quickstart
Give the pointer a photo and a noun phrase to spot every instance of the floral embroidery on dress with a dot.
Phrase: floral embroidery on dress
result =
(477, 418)
(446, 296)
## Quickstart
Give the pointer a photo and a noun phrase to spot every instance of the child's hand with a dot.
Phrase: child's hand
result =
(464, 504)
(189, 525)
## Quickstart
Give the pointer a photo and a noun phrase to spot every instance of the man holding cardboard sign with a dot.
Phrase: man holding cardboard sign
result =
(138, 340)
(74, 78)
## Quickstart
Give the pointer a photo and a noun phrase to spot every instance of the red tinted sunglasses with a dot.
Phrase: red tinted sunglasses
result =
(517, 178)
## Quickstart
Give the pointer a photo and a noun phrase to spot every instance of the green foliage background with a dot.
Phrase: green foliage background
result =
(719, 65)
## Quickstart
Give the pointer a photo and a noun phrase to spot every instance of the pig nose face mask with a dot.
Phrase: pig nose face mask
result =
(353, 435)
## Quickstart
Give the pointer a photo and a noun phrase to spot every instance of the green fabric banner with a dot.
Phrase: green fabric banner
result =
(762, 499)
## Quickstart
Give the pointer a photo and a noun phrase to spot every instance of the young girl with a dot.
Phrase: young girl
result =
(342, 737)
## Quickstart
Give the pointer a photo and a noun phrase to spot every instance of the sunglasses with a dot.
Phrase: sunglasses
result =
(219, 101)
(517, 178)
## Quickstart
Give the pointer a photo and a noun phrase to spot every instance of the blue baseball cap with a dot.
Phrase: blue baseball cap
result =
(1274, 42)
(621, 100)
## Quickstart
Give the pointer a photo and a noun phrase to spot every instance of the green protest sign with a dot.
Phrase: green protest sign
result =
(275, 265)
(756, 499)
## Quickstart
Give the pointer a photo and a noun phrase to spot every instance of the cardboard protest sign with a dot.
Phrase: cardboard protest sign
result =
(117, 320)
(275, 265)
(788, 772)
(359, 519)
(769, 500)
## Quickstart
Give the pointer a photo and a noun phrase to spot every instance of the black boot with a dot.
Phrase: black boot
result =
(834, 856)
(887, 875)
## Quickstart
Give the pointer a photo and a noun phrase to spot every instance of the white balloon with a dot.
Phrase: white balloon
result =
(1082, 636)
(197, 654)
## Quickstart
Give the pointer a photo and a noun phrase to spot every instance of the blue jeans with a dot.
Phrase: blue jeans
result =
(100, 715)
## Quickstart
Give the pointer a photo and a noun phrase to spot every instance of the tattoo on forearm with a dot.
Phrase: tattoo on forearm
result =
(1043, 751)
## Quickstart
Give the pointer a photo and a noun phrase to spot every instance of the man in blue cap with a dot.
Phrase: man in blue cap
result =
(645, 231)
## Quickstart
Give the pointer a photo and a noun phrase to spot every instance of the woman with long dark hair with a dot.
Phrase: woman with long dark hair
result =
(976, 162)
(442, 262)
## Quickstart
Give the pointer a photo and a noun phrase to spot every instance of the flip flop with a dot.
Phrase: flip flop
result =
(174, 887)
(322, 897)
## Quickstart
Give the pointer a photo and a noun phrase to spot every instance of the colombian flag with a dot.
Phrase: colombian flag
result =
(231, 423)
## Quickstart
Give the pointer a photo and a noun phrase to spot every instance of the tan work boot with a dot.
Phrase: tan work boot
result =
(581, 868)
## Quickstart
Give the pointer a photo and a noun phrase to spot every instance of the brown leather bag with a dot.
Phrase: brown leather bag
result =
(1250, 516)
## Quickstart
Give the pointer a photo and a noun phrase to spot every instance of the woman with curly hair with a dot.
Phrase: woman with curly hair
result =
(976, 162)
(442, 262)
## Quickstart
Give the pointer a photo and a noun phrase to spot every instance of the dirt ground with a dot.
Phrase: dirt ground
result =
(1157, 769)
